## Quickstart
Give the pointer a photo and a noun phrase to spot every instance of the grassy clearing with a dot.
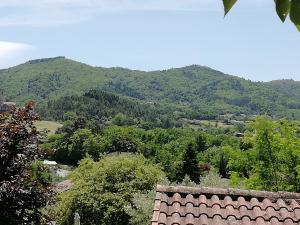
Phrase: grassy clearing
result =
(50, 126)
(215, 123)
(208, 124)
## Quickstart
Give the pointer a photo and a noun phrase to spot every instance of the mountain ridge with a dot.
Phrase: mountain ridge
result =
(49, 59)
(193, 90)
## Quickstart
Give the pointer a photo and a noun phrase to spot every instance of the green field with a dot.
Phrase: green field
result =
(50, 126)
(209, 124)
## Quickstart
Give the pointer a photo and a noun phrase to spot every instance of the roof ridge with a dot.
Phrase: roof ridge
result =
(228, 191)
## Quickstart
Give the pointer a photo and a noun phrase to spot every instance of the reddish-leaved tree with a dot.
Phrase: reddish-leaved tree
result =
(22, 191)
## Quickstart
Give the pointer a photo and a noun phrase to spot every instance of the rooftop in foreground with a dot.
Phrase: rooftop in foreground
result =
(214, 206)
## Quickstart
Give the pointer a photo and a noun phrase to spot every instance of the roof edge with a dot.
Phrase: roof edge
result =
(228, 191)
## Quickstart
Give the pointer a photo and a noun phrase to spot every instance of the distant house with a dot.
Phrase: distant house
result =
(214, 206)
(6, 106)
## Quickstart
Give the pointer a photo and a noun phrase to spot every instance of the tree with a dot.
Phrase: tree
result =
(24, 189)
(201, 143)
(277, 147)
(122, 120)
(122, 145)
(283, 9)
(102, 190)
(223, 166)
(267, 153)
(71, 145)
(189, 165)
(273, 159)
(81, 143)
(142, 212)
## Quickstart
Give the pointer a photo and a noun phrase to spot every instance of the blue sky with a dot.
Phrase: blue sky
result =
(250, 42)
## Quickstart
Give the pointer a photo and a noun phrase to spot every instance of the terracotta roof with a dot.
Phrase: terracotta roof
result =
(213, 206)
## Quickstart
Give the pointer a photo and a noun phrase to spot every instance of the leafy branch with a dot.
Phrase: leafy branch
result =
(283, 9)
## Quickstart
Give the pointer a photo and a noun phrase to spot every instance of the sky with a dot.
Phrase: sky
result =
(250, 42)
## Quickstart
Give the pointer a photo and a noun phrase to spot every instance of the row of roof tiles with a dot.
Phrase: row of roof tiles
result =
(196, 201)
(204, 220)
(206, 206)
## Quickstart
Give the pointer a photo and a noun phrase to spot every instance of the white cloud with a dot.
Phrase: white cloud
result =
(12, 49)
(9, 51)
(53, 12)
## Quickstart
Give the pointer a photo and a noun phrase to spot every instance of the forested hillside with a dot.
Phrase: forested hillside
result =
(195, 91)
(97, 103)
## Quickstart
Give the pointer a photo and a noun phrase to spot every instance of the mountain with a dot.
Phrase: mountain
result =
(194, 91)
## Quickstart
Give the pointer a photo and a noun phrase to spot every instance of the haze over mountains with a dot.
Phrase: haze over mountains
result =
(194, 91)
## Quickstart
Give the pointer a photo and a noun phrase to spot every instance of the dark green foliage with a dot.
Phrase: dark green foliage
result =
(223, 166)
(73, 145)
(40, 173)
(228, 4)
(82, 142)
(295, 13)
(283, 8)
(189, 165)
(119, 145)
(200, 143)
(72, 142)
(122, 120)
(98, 104)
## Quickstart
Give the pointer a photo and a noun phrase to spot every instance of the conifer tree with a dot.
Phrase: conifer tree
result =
(189, 165)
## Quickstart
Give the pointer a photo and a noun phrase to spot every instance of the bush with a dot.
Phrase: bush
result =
(103, 189)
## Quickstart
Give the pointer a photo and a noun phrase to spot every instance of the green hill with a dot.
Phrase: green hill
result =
(194, 91)
(97, 104)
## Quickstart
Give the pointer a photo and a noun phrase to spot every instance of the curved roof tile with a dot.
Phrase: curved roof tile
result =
(214, 206)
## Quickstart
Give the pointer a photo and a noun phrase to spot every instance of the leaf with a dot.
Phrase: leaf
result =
(282, 8)
(228, 4)
(295, 13)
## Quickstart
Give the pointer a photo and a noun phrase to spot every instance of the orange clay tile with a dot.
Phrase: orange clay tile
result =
(214, 206)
